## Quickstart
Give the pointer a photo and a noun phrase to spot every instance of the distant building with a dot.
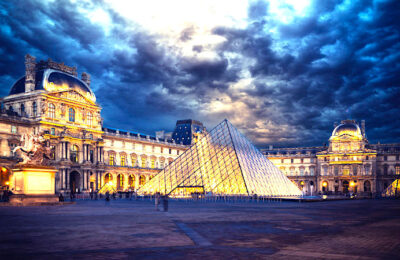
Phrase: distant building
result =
(51, 99)
(185, 130)
(348, 165)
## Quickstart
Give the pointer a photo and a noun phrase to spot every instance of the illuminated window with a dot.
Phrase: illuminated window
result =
(397, 170)
(74, 153)
(71, 115)
(89, 117)
(34, 109)
(131, 181)
(153, 162)
(122, 160)
(53, 131)
(13, 129)
(52, 110)
(143, 162)
(111, 159)
(142, 180)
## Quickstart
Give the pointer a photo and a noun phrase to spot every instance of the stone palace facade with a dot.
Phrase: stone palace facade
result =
(348, 165)
(50, 99)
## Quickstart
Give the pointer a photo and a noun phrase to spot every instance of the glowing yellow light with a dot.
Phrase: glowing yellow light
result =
(110, 183)
(324, 184)
(7, 183)
(3, 169)
(302, 183)
(352, 183)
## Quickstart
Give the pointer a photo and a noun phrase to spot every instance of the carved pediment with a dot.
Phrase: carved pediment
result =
(73, 95)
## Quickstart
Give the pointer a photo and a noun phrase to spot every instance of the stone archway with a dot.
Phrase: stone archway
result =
(108, 178)
(367, 186)
(345, 187)
(74, 181)
(131, 181)
(120, 182)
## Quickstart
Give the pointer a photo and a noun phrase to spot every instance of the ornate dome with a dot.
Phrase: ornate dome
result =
(54, 80)
(347, 127)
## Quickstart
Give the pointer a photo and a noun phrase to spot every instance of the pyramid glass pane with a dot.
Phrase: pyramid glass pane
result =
(222, 162)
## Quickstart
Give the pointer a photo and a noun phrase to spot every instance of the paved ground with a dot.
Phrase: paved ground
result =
(364, 229)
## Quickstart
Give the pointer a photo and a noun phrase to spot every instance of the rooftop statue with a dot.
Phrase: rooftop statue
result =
(33, 150)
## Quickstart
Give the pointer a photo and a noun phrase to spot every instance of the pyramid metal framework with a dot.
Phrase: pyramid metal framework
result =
(393, 190)
(222, 162)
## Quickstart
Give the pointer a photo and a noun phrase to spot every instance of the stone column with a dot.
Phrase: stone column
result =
(83, 179)
(97, 181)
(67, 179)
(137, 181)
(62, 179)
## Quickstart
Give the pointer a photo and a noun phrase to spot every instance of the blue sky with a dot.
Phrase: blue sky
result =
(281, 71)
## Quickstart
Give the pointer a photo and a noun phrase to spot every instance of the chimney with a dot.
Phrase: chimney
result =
(86, 78)
(30, 72)
(363, 127)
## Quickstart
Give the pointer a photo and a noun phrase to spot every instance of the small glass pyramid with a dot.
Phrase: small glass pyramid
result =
(222, 162)
(393, 190)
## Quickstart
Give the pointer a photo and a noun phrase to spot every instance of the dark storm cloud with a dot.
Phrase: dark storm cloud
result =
(336, 60)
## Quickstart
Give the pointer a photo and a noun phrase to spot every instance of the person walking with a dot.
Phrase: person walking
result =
(157, 200)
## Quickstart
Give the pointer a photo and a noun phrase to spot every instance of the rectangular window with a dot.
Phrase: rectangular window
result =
(153, 162)
(91, 156)
(133, 159)
(143, 163)
(13, 129)
(397, 170)
(53, 131)
(301, 171)
(170, 151)
(385, 158)
(111, 159)
(123, 160)
(312, 171)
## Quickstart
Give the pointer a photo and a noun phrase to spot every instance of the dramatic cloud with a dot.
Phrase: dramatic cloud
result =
(281, 71)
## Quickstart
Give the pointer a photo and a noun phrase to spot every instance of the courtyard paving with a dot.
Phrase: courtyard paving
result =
(125, 229)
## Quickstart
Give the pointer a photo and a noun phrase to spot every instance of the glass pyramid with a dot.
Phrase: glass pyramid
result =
(393, 190)
(222, 162)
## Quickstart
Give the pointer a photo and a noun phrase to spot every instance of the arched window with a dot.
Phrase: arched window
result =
(34, 109)
(52, 110)
(89, 117)
(71, 115)
(74, 153)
